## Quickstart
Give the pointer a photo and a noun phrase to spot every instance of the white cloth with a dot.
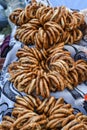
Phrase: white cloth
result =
(8, 91)
(71, 4)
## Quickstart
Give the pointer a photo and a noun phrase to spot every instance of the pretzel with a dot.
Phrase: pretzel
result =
(45, 26)
(45, 71)
(46, 114)
(81, 68)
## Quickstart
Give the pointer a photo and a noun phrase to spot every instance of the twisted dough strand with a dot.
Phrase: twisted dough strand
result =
(42, 71)
(45, 26)
(46, 114)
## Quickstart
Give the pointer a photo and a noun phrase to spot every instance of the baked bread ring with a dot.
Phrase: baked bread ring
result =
(46, 114)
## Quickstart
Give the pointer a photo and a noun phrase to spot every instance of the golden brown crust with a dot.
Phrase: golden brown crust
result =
(46, 114)
(43, 71)
(45, 26)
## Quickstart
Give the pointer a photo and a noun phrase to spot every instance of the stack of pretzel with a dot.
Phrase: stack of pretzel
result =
(46, 26)
(45, 68)
(31, 113)
(43, 71)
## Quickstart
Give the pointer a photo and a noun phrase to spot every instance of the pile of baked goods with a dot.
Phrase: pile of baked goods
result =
(45, 71)
(32, 113)
(44, 68)
(45, 26)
